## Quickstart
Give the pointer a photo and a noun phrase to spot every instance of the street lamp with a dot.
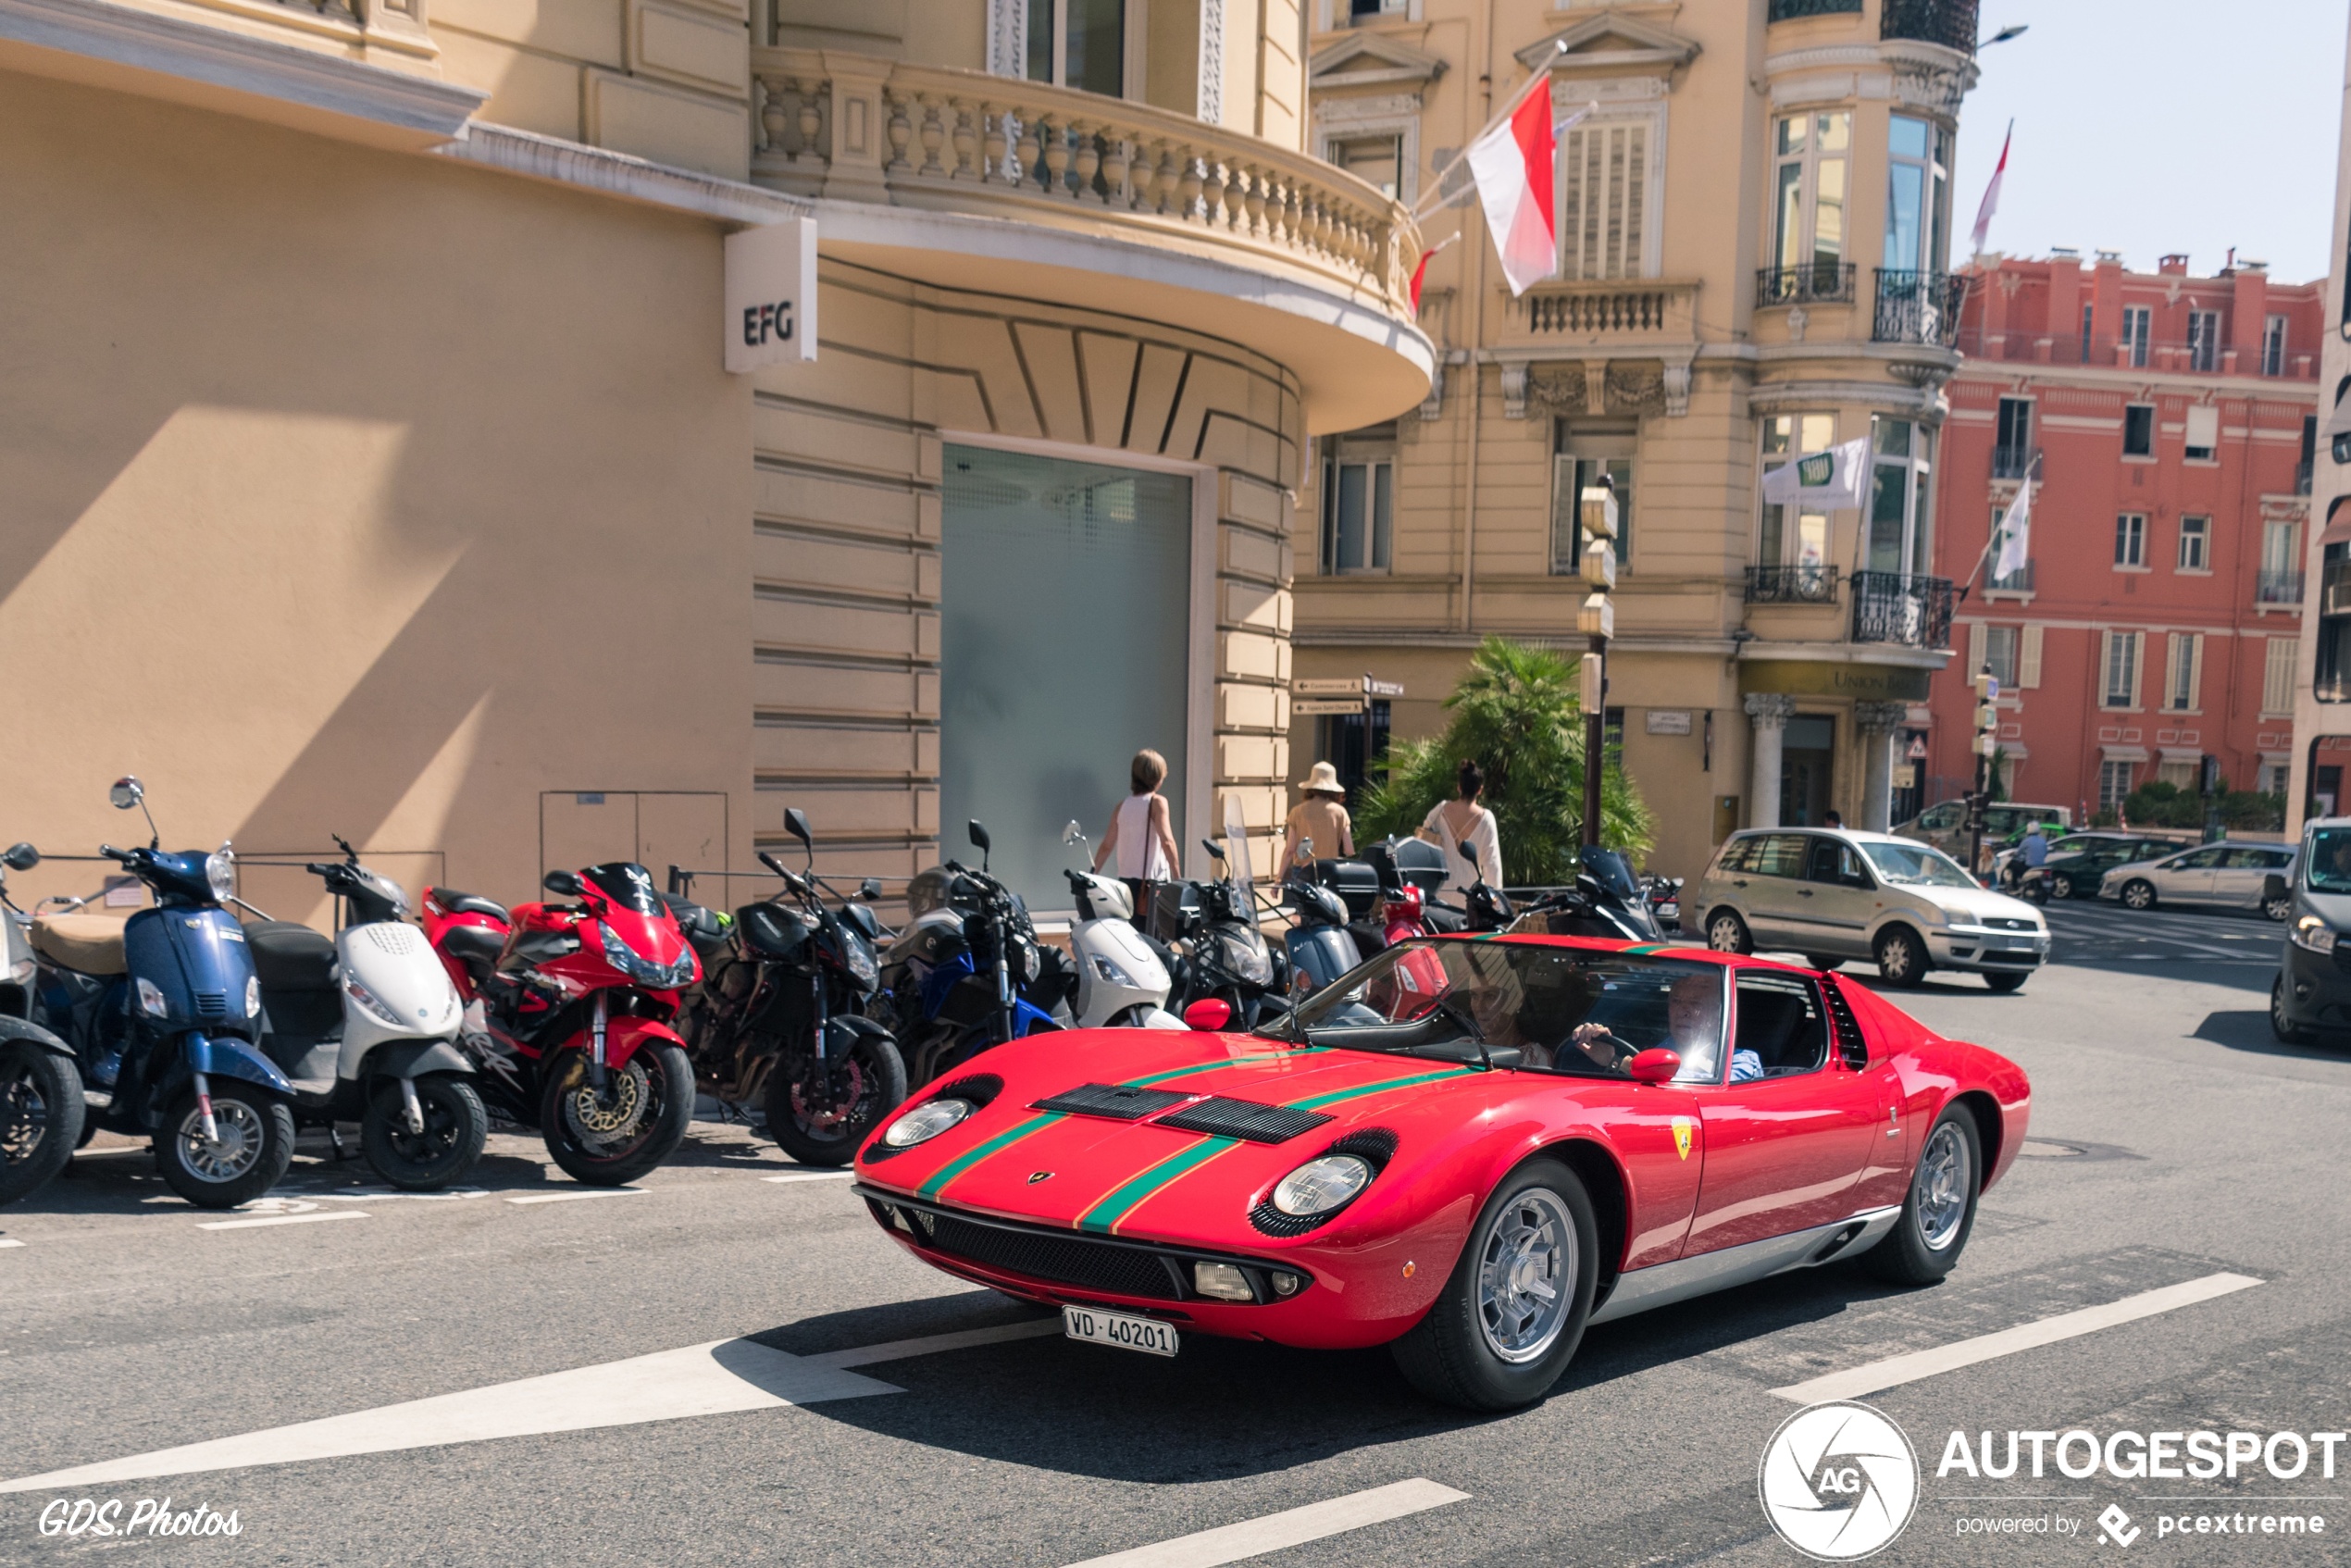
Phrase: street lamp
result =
(1596, 620)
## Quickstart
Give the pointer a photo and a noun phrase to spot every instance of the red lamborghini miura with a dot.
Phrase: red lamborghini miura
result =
(1469, 1150)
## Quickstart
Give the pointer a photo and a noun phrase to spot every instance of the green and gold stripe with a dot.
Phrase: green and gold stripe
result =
(1112, 1207)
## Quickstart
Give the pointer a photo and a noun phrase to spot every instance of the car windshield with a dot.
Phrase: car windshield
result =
(1521, 1004)
(1916, 863)
(2328, 862)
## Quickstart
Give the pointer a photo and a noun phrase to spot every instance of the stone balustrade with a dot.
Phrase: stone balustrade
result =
(963, 141)
(1615, 309)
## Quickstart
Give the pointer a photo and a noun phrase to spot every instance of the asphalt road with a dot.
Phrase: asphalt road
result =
(2173, 1141)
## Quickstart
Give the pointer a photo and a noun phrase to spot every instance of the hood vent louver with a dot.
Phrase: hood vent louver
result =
(1116, 1101)
(1245, 1119)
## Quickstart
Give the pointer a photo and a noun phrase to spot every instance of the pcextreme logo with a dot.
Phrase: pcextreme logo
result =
(1838, 1481)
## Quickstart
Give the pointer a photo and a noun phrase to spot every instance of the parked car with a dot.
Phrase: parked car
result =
(1944, 825)
(2079, 860)
(1835, 895)
(2226, 875)
(2313, 987)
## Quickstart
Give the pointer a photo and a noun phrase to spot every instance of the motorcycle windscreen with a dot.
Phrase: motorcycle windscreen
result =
(1063, 651)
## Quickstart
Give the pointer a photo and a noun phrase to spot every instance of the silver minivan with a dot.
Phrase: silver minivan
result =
(1945, 824)
(1833, 895)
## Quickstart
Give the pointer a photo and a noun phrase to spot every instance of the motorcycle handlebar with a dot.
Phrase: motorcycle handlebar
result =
(321, 868)
(122, 856)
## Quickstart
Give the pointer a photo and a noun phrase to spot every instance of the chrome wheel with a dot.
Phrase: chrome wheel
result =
(236, 1151)
(1527, 1275)
(1727, 933)
(2062, 886)
(2277, 909)
(1943, 1182)
(2139, 895)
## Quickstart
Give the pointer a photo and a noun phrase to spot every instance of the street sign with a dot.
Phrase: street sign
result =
(1308, 707)
(1348, 686)
(1383, 688)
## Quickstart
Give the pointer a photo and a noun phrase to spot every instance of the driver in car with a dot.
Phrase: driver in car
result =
(1693, 1027)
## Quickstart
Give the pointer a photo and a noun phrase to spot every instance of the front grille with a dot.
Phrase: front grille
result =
(212, 1004)
(1116, 1102)
(2006, 922)
(1245, 1119)
(1090, 1266)
(1996, 955)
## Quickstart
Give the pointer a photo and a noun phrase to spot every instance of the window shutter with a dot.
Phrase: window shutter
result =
(1976, 636)
(2028, 664)
(2204, 425)
(2277, 676)
(1603, 199)
(2138, 666)
(2196, 670)
(1566, 524)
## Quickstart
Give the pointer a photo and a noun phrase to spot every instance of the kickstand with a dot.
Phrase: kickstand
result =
(334, 1141)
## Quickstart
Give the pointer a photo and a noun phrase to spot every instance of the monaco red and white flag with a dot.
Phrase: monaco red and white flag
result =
(1992, 193)
(1515, 165)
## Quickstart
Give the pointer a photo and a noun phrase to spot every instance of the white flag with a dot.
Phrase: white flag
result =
(1822, 481)
(2016, 533)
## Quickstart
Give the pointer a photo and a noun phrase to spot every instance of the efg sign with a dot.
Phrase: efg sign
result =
(771, 295)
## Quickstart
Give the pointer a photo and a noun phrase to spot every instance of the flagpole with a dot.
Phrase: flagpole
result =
(1542, 75)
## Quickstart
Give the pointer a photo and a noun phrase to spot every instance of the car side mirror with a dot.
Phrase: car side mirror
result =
(869, 890)
(126, 792)
(20, 857)
(562, 884)
(1208, 1014)
(2272, 886)
(1654, 1065)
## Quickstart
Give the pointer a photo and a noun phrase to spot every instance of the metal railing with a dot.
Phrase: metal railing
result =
(1822, 280)
(2013, 462)
(2017, 581)
(2278, 588)
(1914, 612)
(1917, 307)
(1785, 10)
(1791, 585)
(1952, 24)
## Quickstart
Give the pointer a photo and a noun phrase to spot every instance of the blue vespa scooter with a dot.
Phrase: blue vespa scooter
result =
(189, 1073)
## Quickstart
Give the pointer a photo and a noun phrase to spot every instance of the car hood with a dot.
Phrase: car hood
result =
(1027, 1156)
(2332, 908)
(1975, 904)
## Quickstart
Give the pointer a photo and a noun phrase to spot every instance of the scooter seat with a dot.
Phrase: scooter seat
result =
(90, 943)
(289, 956)
(456, 902)
(476, 947)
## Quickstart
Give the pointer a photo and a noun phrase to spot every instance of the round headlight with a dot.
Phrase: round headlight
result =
(1320, 1186)
(220, 870)
(926, 1122)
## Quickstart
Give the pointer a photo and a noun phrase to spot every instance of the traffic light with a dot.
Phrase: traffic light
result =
(2208, 775)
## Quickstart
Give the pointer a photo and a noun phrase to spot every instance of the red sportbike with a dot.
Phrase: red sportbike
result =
(572, 1033)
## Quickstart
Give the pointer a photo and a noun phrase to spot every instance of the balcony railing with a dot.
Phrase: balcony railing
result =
(967, 142)
(1614, 308)
(1914, 612)
(1791, 585)
(2013, 462)
(2017, 581)
(1917, 307)
(2334, 589)
(2022, 344)
(1948, 22)
(1785, 10)
(2278, 588)
(1822, 280)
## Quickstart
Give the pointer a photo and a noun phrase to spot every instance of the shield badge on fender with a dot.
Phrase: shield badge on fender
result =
(1682, 1126)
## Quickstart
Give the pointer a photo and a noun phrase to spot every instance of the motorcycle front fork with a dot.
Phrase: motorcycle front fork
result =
(204, 1108)
(596, 1073)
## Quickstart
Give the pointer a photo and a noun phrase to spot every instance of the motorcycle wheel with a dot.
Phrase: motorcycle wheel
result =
(41, 1116)
(872, 1080)
(610, 1140)
(455, 1127)
(253, 1149)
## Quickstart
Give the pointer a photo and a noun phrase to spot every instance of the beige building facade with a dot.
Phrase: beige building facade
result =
(371, 464)
(1754, 221)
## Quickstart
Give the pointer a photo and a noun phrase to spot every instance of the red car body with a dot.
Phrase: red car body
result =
(1698, 1186)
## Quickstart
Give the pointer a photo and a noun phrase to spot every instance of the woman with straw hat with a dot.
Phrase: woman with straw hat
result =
(1320, 820)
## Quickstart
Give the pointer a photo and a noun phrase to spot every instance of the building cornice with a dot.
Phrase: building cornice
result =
(1892, 653)
(617, 174)
(2007, 372)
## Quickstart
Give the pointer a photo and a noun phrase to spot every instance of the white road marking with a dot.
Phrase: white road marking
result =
(904, 1350)
(9, 1241)
(812, 1175)
(1896, 1370)
(387, 1194)
(282, 1219)
(1292, 1527)
(581, 1192)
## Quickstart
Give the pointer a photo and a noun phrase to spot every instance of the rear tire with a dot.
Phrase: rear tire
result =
(1901, 957)
(2281, 1023)
(1494, 1340)
(640, 1121)
(2138, 894)
(42, 1116)
(456, 1129)
(1939, 1211)
(1725, 932)
(2062, 886)
(877, 1083)
(257, 1145)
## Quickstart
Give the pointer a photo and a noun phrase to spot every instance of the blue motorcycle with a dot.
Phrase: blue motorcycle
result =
(163, 1013)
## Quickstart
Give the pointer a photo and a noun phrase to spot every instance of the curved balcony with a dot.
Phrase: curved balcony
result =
(1143, 211)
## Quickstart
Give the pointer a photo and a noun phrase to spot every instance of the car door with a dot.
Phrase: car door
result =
(2238, 880)
(2187, 878)
(1775, 871)
(1834, 900)
(1785, 1152)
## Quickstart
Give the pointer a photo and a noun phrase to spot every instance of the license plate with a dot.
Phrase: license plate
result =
(1146, 1334)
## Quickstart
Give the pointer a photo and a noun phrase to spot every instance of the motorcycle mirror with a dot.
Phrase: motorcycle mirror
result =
(126, 792)
(1587, 884)
(796, 824)
(20, 857)
(1209, 1015)
(563, 884)
(1216, 848)
(1469, 851)
(979, 840)
(344, 844)
(870, 889)
(1073, 834)
(1654, 1065)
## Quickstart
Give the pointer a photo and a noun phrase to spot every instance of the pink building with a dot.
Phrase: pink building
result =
(2166, 423)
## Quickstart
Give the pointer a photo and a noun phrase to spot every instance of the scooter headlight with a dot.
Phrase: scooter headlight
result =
(926, 1122)
(151, 1001)
(253, 996)
(1244, 959)
(1109, 972)
(220, 870)
(373, 1005)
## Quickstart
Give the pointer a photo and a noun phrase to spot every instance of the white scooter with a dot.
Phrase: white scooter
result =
(1121, 982)
(365, 1028)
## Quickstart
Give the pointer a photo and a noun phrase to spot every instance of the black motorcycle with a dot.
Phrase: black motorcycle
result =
(1606, 902)
(1221, 954)
(779, 1018)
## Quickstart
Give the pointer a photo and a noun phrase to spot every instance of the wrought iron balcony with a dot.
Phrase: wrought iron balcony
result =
(1952, 24)
(1822, 280)
(2013, 462)
(2017, 581)
(1917, 307)
(2278, 588)
(1791, 585)
(1782, 10)
(1914, 612)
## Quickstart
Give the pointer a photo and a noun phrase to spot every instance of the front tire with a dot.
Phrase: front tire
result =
(2282, 1022)
(1511, 1316)
(2138, 894)
(1823, 963)
(873, 1082)
(613, 1139)
(41, 1116)
(1901, 957)
(1926, 1242)
(2278, 908)
(255, 1147)
(1725, 932)
(2004, 981)
(456, 1129)
(2062, 886)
